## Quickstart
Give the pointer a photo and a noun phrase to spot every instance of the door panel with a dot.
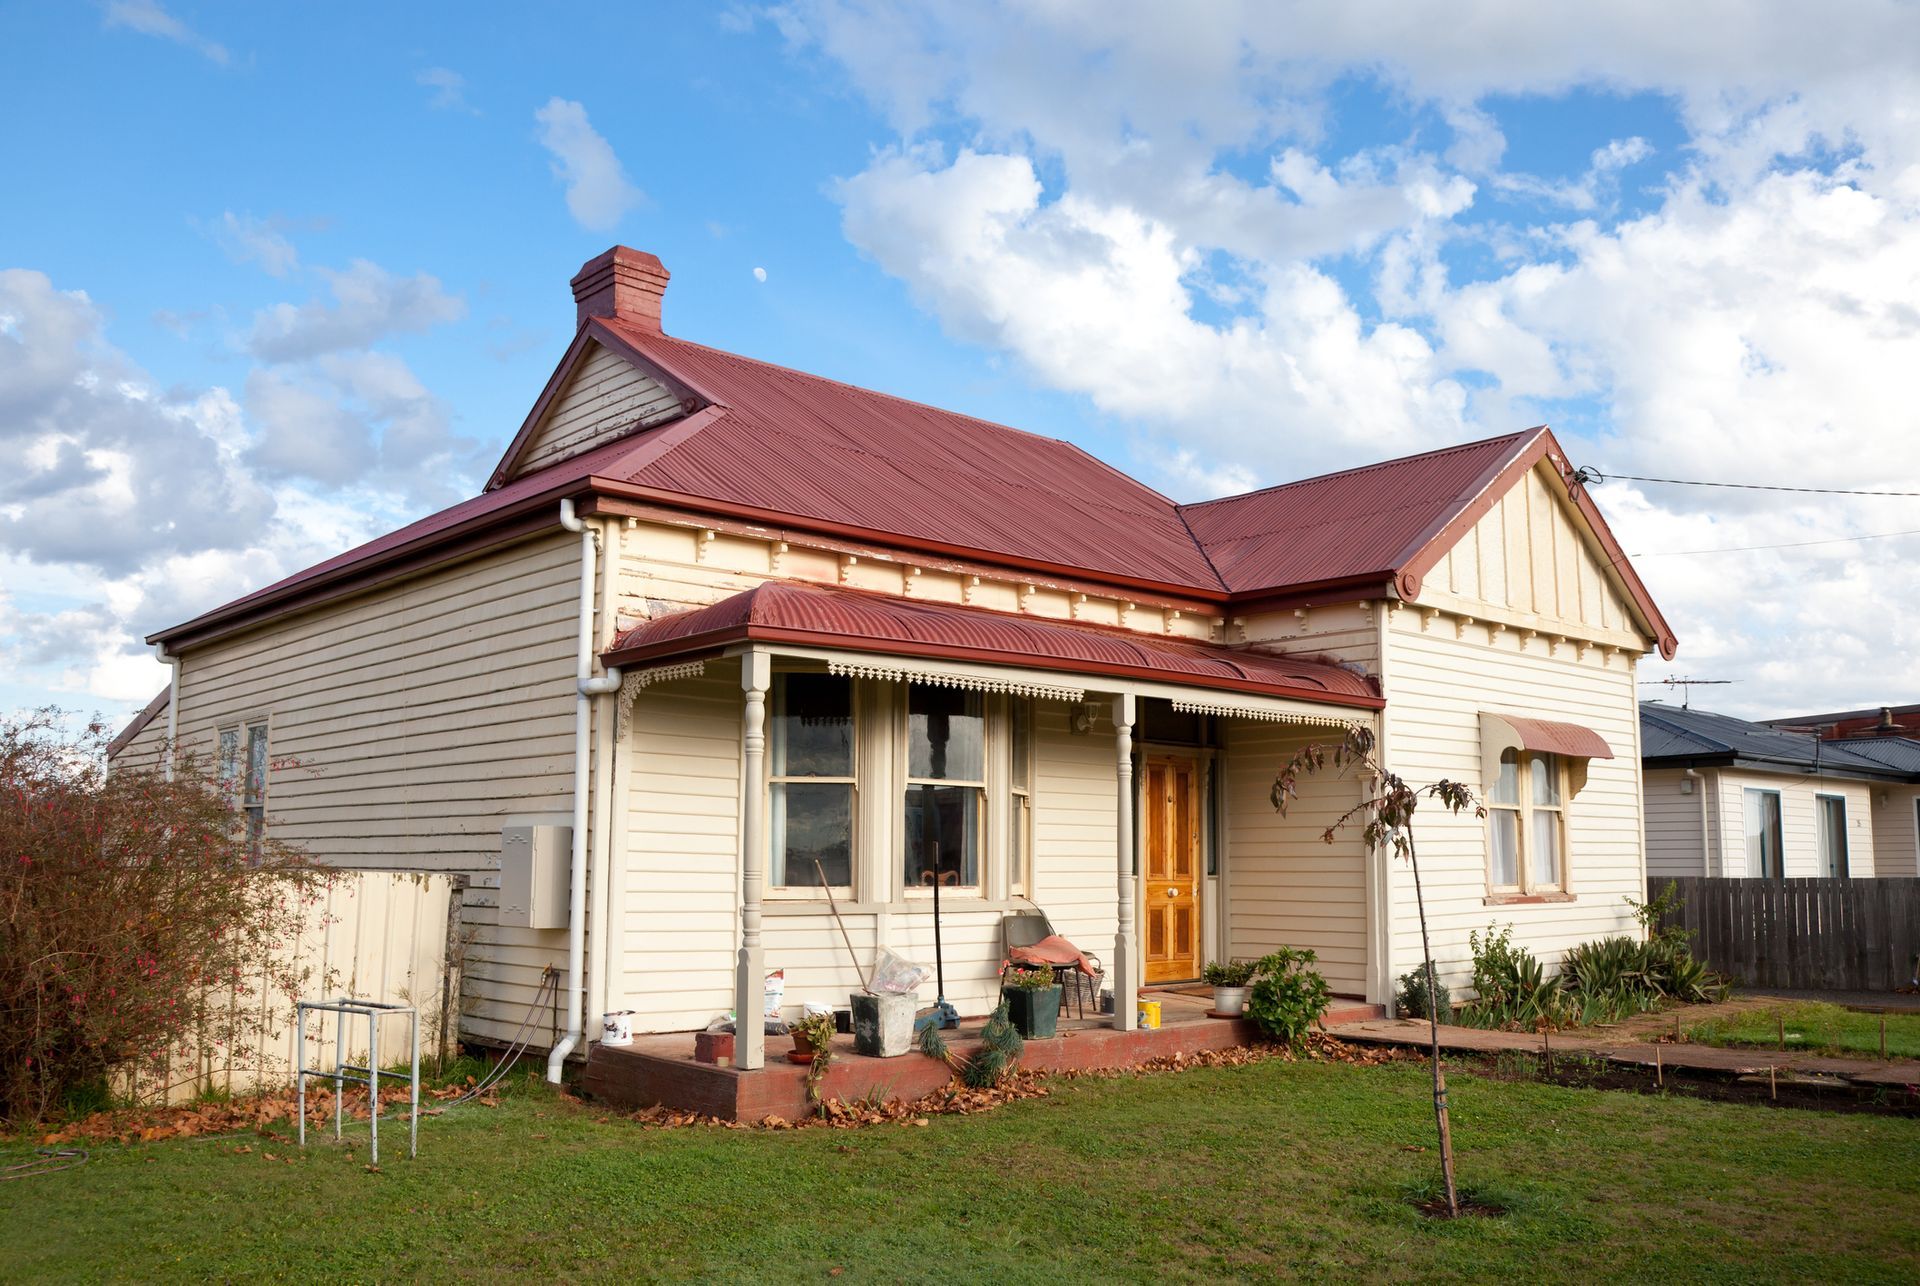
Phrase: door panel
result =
(1169, 870)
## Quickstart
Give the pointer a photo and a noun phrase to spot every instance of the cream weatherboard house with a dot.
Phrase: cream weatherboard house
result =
(717, 633)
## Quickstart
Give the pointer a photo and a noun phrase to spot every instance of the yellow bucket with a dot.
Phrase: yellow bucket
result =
(1149, 1014)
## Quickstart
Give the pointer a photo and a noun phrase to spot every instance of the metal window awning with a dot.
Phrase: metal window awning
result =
(1575, 743)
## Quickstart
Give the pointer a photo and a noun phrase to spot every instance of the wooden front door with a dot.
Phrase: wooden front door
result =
(1170, 870)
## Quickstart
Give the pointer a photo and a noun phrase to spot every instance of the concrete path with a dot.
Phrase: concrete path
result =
(1413, 1034)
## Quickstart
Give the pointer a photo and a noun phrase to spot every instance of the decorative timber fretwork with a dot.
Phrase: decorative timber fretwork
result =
(636, 680)
(955, 679)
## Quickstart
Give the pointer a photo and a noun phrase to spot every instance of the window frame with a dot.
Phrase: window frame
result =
(777, 892)
(990, 820)
(1821, 801)
(1019, 825)
(1526, 886)
(244, 792)
(1747, 795)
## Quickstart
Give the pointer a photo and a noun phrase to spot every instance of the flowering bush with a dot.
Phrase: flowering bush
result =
(135, 918)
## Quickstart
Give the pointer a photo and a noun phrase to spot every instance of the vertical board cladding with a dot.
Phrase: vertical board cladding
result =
(1439, 685)
(1530, 560)
(681, 883)
(407, 725)
(1677, 839)
(1896, 830)
(1286, 887)
(605, 396)
(1799, 821)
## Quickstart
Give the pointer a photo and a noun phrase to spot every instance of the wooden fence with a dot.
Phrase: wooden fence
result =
(1812, 935)
(376, 935)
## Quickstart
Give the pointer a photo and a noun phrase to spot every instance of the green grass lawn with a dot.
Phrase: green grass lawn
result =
(1811, 1025)
(1256, 1171)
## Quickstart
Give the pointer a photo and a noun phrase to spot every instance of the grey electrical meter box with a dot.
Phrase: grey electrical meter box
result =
(533, 876)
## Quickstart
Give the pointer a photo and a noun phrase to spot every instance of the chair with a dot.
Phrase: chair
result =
(1030, 928)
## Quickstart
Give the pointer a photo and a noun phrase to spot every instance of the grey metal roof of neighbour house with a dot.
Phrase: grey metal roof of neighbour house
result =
(1673, 735)
(1902, 753)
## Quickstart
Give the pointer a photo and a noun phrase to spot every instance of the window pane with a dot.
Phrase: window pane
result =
(946, 734)
(256, 763)
(1506, 787)
(1833, 836)
(1763, 833)
(811, 821)
(943, 829)
(230, 762)
(812, 726)
(1506, 848)
(1545, 843)
(1546, 780)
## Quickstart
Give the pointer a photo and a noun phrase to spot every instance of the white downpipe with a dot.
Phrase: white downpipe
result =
(586, 687)
(173, 705)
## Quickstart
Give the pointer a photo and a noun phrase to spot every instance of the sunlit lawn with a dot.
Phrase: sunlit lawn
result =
(1247, 1172)
(1810, 1025)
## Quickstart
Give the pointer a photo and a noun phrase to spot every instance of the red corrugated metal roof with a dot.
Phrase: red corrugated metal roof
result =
(1361, 522)
(823, 616)
(1548, 736)
(815, 448)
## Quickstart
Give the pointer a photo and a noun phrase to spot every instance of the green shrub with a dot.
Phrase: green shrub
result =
(1512, 990)
(1228, 973)
(1288, 996)
(1413, 996)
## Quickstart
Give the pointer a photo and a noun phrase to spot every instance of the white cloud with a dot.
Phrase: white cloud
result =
(1140, 205)
(149, 19)
(369, 303)
(249, 240)
(598, 193)
(449, 90)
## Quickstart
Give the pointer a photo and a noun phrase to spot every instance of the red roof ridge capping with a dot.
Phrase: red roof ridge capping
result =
(838, 617)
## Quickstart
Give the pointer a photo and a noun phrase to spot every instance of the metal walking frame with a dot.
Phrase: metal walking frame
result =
(373, 1011)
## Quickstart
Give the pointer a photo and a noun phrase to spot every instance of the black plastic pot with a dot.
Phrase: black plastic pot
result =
(1034, 1013)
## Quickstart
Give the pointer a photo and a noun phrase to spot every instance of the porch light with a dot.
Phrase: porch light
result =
(1080, 722)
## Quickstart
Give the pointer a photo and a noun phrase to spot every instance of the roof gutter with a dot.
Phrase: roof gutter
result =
(586, 688)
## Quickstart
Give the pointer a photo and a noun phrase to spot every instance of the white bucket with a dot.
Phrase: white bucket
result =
(617, 1028)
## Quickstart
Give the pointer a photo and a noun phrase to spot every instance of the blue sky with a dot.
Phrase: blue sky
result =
(274, 279)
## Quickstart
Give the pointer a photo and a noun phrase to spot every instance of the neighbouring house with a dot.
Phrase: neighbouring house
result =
(1889, 735)
(1880, 721)
(719, 636)
(1726, 797)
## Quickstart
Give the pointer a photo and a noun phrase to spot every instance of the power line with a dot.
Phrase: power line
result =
(1586, 474)
(1792, 544)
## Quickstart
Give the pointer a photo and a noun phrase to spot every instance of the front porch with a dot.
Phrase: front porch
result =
(660, 1070)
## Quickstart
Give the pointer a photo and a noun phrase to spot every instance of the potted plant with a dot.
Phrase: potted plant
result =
(812, 1033)
(1229, 980)
(1032, 998)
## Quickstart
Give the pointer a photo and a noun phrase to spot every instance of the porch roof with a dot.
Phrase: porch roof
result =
(819, 616)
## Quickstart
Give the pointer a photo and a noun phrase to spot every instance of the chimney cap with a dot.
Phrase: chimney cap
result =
(624, 283)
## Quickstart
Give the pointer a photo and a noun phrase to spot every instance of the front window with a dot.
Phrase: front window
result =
(946, 786)
(1526, 824)
(810, 755)
(1764, 846)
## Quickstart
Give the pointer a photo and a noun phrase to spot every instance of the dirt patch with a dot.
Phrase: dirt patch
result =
(1471, 1207)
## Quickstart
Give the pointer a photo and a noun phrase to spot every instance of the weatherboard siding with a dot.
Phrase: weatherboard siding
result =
(604, 397)
(1438, 685)
(1896, 830)
(1677, 823)
(1800, 837)
(679, 890)
(1288, 888)
(407, 725)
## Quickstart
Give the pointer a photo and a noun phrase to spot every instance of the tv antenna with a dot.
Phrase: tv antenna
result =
(1685, 686)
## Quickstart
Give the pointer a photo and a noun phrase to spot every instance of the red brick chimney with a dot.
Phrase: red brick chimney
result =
(624, 283)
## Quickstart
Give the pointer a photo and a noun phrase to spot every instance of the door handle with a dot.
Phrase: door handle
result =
(1173, 893)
